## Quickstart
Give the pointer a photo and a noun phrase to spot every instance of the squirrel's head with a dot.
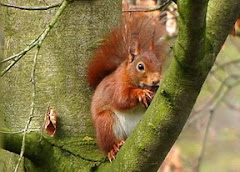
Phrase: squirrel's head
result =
(144, 67)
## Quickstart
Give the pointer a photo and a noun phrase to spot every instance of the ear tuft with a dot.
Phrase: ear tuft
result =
(152, 46)
(134, 50)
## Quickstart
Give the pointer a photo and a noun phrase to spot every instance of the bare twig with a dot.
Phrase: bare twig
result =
(231, 106)
(225, 65)
(23, 142)
(20, 131)
(200, 158)
(212, 111)
(12, 132)
(29, 8)
(32, 107)
(142, 9)
(15, 58)
(215, 98)
(33, 81)
(22, 53)
(211, 100)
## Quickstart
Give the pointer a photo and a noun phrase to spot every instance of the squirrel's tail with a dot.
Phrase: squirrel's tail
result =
(115, 47)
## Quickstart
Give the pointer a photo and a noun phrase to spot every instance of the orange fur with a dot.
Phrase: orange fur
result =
(115, 47)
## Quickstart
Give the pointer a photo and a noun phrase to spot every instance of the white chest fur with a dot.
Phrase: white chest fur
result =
(127, 120)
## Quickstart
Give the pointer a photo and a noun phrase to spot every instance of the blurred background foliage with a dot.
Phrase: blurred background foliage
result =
(220, 99)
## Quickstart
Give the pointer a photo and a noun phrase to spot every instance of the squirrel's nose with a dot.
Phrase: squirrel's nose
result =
(156, 82)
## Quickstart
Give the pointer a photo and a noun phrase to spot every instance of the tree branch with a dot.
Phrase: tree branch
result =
(29, 8)
(224, 83)
(149, 9)
(221, 17)
(212, 111)
(147, 147)
(44, 154)
(33, 104)
(13, 143)
(194, 55)
(204, 142)
(224, 65)
(15, 58)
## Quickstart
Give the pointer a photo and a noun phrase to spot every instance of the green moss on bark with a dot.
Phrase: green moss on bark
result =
(194, 54)
(60, 81)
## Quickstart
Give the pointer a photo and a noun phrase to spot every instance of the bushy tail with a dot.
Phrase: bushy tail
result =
(115, 47)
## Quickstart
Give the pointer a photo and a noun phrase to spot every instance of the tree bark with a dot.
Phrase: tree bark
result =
(203, 28)
(60, 81)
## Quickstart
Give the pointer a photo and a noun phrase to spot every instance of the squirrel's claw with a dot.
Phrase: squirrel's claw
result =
(144, 95)
(148, 93)
(113, 152)
(139, 98)
(111, 155)
(145, 102)
(120, 143)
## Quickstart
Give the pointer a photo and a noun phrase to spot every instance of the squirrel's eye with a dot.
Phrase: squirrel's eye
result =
(140, 66)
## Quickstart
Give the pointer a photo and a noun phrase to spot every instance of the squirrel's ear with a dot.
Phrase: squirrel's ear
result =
(134, 50)
(152, 46)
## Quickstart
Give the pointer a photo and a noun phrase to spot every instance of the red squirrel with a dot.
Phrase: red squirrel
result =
(125, 70)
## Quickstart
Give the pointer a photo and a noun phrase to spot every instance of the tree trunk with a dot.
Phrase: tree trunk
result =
(60, 80)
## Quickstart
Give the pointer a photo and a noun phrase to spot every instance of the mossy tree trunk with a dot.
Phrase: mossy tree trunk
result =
(203, 27)
(60, 82)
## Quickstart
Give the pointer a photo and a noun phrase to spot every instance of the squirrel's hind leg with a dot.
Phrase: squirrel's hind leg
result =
(105, 124)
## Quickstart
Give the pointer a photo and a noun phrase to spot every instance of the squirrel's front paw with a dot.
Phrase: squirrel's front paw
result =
(145, 95)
